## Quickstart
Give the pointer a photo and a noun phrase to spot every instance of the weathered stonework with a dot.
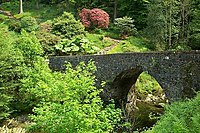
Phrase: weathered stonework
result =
(178, 73)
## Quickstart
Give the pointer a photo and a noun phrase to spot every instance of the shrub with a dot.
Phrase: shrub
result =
(76, 46)
(67, 26)
(17, 56)
(70, 102)
(180, 117)
(3, 17)
(11, 60)
(14, 25)
(94, 18)
(30, 46)
(32, 54)
(48, 41)
(126, 26)
(29, 23)
(25, 22)
(195, 41)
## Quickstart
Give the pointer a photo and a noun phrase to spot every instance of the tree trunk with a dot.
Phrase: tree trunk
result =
(115, 10)
(20, 6)
(185, 9)
(170, 25)
(37, 4)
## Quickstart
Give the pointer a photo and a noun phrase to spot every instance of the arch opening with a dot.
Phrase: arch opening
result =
(140, 96)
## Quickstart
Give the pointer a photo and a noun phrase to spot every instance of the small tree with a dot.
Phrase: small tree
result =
(125, 26)
(94, 18)
(67, 26)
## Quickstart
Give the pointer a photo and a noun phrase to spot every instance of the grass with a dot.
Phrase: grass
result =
(99, 40)
(132, 44)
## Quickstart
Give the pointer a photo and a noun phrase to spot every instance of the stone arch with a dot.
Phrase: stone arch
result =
(121, 85)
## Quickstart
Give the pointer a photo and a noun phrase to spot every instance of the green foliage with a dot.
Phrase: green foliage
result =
(180, 117)
(136, 9)
(195, 27)
(14, 25)
(181, 47)
(10, 6)
(32, 52)
(195, 41)
(3, 18)
(70, 102)
(147, 84)
(23, 21)
(11, 60)
(63, 101)
(67, 26)
(29, 23)
(156, 28)
(48, 41)
(30, 46)
(18, 55)
(126, 26)
(76, 46)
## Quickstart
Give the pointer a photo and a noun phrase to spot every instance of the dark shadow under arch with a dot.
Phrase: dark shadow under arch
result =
(120, 87)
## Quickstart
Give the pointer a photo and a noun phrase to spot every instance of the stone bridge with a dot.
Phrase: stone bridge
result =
(178, 73)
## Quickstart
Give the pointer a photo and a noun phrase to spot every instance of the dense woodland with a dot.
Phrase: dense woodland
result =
(33, 98)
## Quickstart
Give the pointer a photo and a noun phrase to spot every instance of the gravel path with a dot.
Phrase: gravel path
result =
(109, 48)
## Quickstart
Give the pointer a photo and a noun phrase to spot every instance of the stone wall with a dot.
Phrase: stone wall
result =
(178, 73)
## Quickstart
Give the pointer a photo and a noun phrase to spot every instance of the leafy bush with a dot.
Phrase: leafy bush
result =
(25, 22)
(94, 18)
(14, 25)
(126, 26)
(64, 102)
(29, 23)
(180, 117)
(70, 102)
(3, 18)
(76, 46)
(48, 41)
(11, 60)
(17, 56)
(30, 46)
(195, 41)
(67, 26)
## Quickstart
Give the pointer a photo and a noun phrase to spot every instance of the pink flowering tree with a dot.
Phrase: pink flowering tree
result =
(94, 18)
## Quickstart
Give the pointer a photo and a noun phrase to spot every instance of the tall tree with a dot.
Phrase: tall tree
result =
(194, 26)
(175, 15)
(156, 24)
(136, 9)
(185, 11)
